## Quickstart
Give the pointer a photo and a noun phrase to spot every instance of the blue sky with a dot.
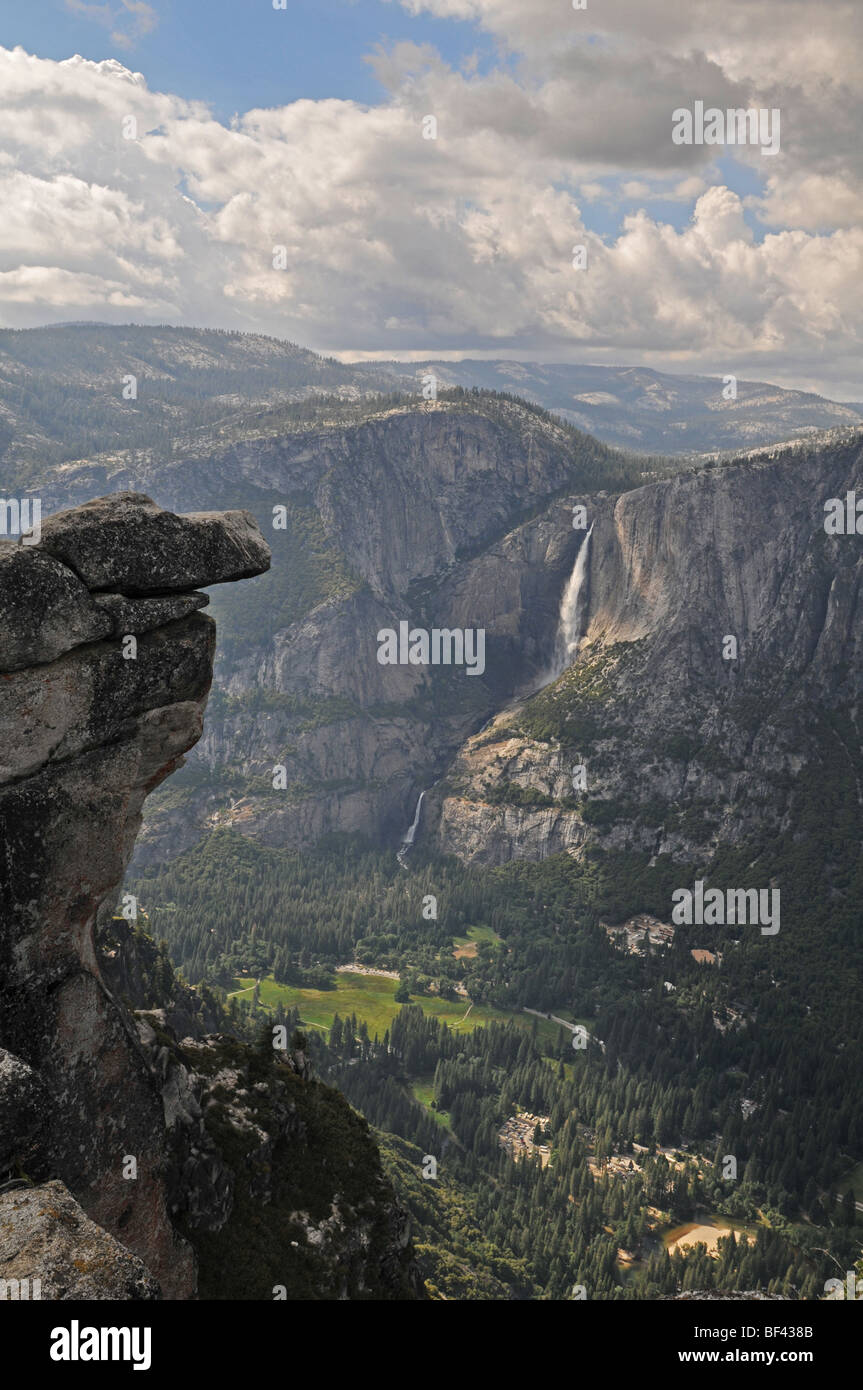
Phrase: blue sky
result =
(240, 54)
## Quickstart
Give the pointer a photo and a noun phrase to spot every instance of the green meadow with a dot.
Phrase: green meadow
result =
(422, 1090)
(476, 934)
(372, 999)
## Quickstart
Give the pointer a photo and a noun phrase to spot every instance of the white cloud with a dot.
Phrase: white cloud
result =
(747, 37)
(52, 287)
(396, 243)
(814, 201)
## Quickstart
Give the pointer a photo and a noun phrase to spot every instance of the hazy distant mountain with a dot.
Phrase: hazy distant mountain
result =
(652, 412)
(62, 395)
(61, 388)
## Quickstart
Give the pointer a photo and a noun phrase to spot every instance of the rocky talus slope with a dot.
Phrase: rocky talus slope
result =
(123, 1150)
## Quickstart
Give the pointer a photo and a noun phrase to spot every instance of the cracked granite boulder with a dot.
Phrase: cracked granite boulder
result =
(45, 610)
(50, 1249)
(126, 543)
(133, 615)
(86, 734)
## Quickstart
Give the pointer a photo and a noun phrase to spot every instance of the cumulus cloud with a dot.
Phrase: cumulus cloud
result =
(791, 54)
(129, 203)
(752, 37)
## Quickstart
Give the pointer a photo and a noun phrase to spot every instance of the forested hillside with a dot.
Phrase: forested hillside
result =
(78, 390)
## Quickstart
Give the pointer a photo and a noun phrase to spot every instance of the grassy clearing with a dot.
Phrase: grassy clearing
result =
(422, 1090)
(477, 934)
(467, 947)
(372, 999)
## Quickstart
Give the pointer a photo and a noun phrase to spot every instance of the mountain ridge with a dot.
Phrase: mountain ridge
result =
(62, 394)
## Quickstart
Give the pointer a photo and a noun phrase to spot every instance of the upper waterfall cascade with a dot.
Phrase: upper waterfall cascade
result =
(569, 621)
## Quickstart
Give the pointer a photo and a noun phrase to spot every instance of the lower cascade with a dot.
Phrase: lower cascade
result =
(408, 837)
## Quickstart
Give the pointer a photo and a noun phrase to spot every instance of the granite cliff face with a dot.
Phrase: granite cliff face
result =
(720, 633)
(105, 677)
(109, 1129)
(93, 717)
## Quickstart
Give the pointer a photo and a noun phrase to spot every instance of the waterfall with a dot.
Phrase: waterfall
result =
(568, 627)
(408, 837)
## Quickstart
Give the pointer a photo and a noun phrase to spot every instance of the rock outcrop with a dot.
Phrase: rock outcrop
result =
(124, 542)
(90, 723)
(44, 1229)
(144, 1153)
(273, 1178)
